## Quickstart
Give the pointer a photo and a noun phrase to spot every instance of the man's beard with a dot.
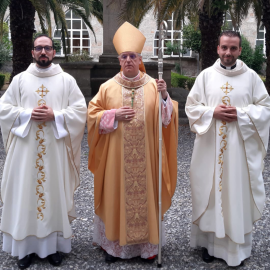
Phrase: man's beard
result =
(44, 63)
(229, 62)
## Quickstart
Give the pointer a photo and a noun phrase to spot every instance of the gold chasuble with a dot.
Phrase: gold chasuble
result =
(125, 161)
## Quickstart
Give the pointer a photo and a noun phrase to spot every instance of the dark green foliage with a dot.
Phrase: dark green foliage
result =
(5, 45)
(254, 59)
(2, 80)
(192, 38)
(5, 52)
(178, 80)
(258, 59)
(4, 39)
(190, 82)
(247, 52)
(174, 48)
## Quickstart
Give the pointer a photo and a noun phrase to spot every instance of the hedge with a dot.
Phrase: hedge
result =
(178, 80)
(2, 80)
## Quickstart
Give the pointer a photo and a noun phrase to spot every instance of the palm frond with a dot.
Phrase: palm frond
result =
(85, 19)
(239, 10)
(96, 9)
(258, 11)
(3, 6)
(134, 11)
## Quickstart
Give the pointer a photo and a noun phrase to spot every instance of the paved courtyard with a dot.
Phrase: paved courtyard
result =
(176, 254)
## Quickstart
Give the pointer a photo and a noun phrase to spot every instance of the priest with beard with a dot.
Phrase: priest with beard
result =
(42, 118)
(123, 154)
(229, 110)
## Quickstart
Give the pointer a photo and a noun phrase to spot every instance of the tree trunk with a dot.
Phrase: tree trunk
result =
(266, 22)
(210, 26)
(22, 15)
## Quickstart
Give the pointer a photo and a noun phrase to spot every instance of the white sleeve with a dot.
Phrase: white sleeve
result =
(22, 124)
(115, 124)
(164, 102)
(58, 125)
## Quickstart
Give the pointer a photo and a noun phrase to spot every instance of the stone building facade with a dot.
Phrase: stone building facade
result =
(83, 39)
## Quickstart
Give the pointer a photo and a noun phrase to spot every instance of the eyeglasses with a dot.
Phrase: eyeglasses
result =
(40, 48)
(124, 56)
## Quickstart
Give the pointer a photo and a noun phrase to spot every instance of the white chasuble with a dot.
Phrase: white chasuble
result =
(227, 162)
(42, 166)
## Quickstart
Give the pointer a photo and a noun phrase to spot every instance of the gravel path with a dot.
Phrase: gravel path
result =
(176, 254)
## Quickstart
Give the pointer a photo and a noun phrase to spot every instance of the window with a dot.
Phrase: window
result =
(227, 23)
(79, 37)
(172, 36)
(260, 37)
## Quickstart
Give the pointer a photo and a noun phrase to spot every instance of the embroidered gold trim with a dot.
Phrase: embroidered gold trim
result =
(131, 85)
(223, 129)
(135, 170)
(42, 92)
(41, 148)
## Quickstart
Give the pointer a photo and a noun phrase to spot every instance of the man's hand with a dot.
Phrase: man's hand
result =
(124, 114)
(162, 87)
(42, 113)
(225, 113)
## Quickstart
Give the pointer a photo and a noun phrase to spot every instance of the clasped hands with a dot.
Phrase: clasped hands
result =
(42, 113)
(126, 113)
(225, 113)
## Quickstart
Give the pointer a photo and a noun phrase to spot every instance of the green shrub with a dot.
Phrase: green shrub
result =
(4, 54)
(190, 83)
(7, 76)
(254, 59)
(2, 80)
(178, 80)
(182, 81)
(79, 56)
(258, 59)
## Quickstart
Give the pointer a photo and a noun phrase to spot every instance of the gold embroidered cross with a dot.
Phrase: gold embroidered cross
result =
(226, 89)
(43, 90)
(132, 97)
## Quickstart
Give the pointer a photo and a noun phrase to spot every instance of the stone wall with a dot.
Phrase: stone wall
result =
(248, 28)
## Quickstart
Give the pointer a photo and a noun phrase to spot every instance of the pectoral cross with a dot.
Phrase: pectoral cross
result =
(132, 97)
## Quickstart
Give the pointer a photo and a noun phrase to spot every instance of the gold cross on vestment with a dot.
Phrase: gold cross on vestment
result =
(226, 89)
(43, 90)
(132, 97)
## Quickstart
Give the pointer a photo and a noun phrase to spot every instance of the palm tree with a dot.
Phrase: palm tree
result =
(22, 15)
(266, 22)
(210, 14)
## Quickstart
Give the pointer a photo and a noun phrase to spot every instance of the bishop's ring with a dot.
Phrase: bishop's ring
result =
(126, 116)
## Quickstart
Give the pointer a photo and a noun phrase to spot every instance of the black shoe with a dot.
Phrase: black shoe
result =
(149, 260)
(55, 259)
(110, 259)
(26, 261)
(206, 257)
